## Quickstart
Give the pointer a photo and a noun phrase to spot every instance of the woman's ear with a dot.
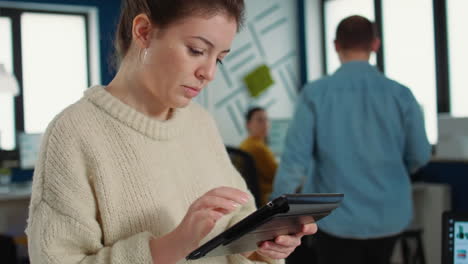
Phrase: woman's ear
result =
(141, 30)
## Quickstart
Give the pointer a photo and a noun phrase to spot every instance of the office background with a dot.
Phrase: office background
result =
(423, 46)
(420, 39)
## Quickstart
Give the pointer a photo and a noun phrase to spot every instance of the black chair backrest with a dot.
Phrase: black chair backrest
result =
(8, 253)
(245, 165)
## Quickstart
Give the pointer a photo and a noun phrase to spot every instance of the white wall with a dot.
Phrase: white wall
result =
(313, 37)
(269, 36)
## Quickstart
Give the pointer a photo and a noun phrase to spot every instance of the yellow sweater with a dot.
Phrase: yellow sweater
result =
(265, 164)
(109, 178)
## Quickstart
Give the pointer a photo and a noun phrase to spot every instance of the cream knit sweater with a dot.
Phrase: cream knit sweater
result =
(109, 178)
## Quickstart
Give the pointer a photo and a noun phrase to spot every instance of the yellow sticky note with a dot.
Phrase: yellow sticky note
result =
(258, 80)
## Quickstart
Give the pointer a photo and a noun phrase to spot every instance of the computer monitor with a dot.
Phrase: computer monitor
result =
(29, 144)
(453, 138)
(277, 135)
(455, 238)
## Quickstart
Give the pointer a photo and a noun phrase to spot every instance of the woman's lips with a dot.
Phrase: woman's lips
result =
(191, 91)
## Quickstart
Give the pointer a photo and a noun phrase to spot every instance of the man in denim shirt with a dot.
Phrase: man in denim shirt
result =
(359, 133)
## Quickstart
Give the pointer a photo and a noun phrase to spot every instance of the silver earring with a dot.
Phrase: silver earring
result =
(145, 53)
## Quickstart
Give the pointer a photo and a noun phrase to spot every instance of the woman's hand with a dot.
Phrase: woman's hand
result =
(199, 220)
(206, 211)
(282, 246)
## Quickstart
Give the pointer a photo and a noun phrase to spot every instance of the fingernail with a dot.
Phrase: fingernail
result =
(235, 205)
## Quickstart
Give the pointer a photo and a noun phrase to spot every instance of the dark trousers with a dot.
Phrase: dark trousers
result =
(335, 250)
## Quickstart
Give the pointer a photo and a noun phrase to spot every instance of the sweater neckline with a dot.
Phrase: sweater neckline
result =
(146, 125)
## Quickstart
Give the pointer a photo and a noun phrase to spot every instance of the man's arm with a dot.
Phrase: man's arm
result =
(417, 148)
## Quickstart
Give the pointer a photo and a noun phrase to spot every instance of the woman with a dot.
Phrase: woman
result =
(255, 145)
(135, 173)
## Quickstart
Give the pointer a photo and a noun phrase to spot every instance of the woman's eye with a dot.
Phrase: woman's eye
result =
(195, 51)
(218, 61)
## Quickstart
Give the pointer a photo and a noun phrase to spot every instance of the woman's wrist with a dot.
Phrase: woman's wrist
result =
(248, 254)
(166, 249)
(253, 256)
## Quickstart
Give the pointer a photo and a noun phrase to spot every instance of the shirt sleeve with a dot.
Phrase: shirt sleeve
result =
(266, 166)
(297, 156)
(63, 224)
(264, 158)
(417, 148)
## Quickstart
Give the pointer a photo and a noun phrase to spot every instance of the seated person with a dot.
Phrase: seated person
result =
(255, 145)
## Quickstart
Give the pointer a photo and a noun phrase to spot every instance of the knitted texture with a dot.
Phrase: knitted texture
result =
(109, 178)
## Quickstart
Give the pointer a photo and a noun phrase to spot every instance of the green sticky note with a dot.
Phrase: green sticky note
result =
(258, 80)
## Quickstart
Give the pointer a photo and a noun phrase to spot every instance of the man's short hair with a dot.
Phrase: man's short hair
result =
(356, 32)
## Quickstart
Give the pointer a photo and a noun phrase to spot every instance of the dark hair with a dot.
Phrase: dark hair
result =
(356, 32)
(165, 12)
(251, 112)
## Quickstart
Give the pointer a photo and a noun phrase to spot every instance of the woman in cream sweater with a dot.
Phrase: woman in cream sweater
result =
(134, 172)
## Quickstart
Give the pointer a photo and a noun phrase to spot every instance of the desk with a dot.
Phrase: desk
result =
(14, 203)
(430, 201)
(451, 172)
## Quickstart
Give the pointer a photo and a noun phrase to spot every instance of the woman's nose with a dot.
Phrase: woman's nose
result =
(207, 71)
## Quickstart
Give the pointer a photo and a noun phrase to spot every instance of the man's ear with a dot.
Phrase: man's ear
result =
(337, 46)
(141, 30)
(375, 45)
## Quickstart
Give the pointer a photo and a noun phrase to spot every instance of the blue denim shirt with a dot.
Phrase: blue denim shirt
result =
(359, 133)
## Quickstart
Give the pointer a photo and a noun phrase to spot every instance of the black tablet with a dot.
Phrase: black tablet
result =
(281, 216)
(455, 238)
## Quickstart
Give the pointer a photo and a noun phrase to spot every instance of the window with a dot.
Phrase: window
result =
(334, 12)
(409, 52)
(53, 66)
(458, 55)
(55, 71)
(7, 124)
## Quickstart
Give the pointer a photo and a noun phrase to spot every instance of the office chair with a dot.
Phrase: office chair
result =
(245, 165)
(415, 256)
(8, 251)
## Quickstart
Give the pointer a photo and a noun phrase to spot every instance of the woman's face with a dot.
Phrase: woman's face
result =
(182, 58)
(258, 125)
